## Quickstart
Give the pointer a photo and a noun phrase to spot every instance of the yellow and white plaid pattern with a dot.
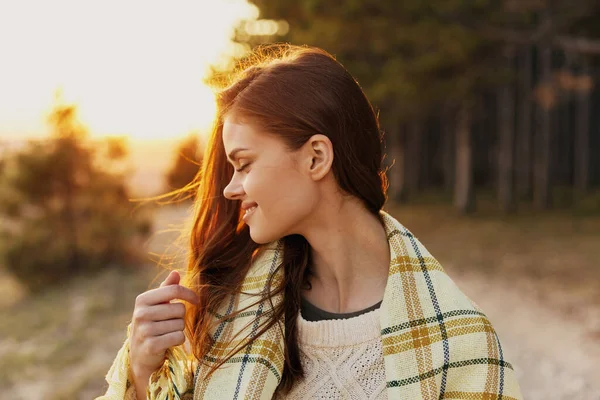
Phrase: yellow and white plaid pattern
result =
(437, 343)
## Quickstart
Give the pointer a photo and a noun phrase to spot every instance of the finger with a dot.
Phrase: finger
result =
(166, 294)
(172, 279)
(163, 327)
(159, 312)
(159, 344)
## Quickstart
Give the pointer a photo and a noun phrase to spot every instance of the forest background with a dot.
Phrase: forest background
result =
(491, 117)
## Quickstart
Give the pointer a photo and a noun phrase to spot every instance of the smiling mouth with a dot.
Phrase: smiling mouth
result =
(250, 211)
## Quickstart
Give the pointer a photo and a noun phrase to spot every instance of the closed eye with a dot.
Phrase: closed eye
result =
(242, 168)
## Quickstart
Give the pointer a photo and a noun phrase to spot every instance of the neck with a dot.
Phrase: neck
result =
(350, 258)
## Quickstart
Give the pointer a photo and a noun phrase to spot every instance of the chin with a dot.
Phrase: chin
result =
(259, 238)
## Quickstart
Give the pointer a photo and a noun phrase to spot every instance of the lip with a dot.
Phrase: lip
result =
(246, 206)
(247, 216)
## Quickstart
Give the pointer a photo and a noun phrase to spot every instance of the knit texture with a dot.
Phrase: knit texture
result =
(436, 342)
(341, 358)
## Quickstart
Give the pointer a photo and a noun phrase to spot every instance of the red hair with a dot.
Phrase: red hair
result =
(292, 92)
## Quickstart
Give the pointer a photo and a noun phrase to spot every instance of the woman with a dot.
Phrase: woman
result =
(299, 285)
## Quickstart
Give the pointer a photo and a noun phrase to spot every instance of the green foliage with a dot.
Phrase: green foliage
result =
(186, 164)
(409, 56)
(64, 209)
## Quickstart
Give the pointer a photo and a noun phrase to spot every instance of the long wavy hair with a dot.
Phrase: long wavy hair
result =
(292, 92)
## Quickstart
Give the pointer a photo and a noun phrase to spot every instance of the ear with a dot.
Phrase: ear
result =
(319, 156)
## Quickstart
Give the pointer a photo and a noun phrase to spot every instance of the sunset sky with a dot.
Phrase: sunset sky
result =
(132, 67)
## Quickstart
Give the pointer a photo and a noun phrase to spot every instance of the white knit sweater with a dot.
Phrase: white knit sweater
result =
(342, 359)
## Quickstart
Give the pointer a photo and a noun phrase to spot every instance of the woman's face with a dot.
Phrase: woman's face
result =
(270, 176)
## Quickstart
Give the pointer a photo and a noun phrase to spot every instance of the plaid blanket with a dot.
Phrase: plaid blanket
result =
(437, 343)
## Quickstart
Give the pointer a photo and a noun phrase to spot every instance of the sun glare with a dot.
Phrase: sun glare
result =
(133, 68)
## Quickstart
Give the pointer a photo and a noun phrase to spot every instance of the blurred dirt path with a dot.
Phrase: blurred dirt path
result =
(554, 355)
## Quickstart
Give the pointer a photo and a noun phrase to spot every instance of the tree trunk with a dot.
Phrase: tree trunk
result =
(69, 210)
(464, 194)
(506, 141)
(427, 144)
(525, 131)
(582, 132)
(448, 133)
(414, 147)
(542, 188)
(561, 167)
(397, 171)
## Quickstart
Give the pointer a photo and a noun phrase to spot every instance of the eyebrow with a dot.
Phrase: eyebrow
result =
(235, 151)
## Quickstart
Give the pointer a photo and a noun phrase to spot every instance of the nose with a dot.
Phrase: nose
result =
(233, 191)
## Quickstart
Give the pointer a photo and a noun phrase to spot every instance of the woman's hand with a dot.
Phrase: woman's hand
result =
(157, 324)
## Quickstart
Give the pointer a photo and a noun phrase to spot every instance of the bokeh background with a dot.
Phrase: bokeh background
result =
(491, 115)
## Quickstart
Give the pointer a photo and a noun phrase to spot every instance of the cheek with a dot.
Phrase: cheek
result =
(280, 191)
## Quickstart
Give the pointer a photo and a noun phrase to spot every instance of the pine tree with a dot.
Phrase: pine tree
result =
(186, 163)
(64, 210)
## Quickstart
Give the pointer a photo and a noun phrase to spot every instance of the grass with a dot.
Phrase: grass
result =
(70, 334)
(54, 330)
(61, 343)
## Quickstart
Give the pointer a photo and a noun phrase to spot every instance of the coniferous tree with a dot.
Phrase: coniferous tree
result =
(186, 164)
(64, 210)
